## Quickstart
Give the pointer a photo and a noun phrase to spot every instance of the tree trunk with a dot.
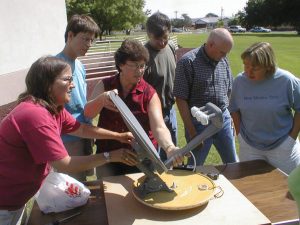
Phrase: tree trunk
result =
(128, 31)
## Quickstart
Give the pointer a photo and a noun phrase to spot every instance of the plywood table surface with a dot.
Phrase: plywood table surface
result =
(231, 208)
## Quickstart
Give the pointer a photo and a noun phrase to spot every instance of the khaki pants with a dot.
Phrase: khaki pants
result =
(285, 157)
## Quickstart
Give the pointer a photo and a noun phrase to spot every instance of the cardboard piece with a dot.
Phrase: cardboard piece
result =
(230, 209)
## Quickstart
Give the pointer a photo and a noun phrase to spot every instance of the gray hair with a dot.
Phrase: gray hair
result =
(220, 35)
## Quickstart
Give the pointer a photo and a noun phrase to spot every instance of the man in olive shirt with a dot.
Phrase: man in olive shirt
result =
(160, 72)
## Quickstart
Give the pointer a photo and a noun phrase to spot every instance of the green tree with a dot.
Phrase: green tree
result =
(238, 19)
(273, 13)
(292, 15)
(220, 23)
(187, 21)
(110, 14)
(177, 23)
(118, 14)
(211, 15)
(233, 21)
(78, 7)
(254, 12)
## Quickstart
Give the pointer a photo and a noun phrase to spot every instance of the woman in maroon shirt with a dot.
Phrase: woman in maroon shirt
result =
(140, 97)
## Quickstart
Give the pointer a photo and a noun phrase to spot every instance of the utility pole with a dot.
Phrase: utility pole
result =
(222, 11)
(176, 14)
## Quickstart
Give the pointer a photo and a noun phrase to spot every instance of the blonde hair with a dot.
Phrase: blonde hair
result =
(261, 54)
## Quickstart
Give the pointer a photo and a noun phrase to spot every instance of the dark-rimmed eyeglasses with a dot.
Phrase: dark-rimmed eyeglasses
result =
(137, 66)
(88, 40)
(163, 39)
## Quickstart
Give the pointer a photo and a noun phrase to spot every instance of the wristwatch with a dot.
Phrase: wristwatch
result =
(106, 156)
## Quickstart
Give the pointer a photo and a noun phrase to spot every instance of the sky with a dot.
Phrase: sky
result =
(195, 8)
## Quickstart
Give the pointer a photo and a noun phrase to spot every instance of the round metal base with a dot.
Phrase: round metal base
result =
(190, 190)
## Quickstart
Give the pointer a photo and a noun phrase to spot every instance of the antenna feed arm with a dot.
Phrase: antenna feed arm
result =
(209, 115)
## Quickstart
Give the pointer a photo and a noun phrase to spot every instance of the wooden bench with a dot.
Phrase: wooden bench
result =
(99, 61)
(5, 109)
(98, 65)
(11, 85)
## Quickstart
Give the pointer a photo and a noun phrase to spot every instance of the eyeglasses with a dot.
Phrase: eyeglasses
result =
(88, 40)
(137, 66)
(69, 79)
(163, 39)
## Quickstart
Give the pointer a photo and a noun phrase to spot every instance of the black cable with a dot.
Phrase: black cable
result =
(222, 171)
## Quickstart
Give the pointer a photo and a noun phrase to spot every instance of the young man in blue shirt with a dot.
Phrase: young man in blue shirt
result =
(80, 33)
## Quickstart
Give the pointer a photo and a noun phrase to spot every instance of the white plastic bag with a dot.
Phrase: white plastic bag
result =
(60, 192)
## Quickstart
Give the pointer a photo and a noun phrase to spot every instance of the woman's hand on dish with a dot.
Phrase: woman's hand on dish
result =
(125, 156)
(172, 151)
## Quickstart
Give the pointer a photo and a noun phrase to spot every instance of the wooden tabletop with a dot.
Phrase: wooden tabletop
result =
(265, 186)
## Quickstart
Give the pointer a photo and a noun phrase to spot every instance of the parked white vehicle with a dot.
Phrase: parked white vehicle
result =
(260, 30)
(237, 29)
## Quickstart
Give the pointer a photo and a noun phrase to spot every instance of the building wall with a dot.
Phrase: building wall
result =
(29, 29)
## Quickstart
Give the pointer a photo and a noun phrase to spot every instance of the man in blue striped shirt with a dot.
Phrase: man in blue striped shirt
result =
(203, 75)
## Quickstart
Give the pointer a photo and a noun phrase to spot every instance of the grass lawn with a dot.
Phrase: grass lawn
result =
(287, 50)
(285, 44)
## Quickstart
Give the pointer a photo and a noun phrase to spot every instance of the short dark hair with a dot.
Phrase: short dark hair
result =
(81, 23)
(132, 50)
(39, 80)
(157, 24)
